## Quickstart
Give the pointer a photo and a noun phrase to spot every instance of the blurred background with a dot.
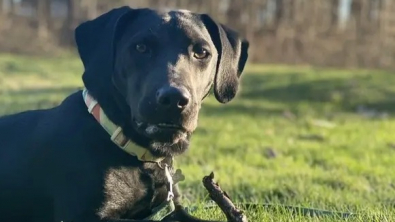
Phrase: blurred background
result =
(345, 33)
(313, 124)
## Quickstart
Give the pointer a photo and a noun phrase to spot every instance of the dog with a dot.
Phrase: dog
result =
(105, 153)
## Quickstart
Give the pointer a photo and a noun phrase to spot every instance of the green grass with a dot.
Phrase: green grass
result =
(269, 145)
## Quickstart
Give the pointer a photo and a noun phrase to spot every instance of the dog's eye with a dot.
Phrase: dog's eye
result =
(141, 48)
(200, 52)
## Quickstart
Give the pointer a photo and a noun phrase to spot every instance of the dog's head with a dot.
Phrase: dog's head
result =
(151, 70)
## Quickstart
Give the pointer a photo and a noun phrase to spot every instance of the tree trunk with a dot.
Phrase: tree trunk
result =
(279, 13)
(67, 29)
(11, 12)
(234, 14)
(1, 7)
(334, 13)
(44, 17)
(92, 9)
(70, 12)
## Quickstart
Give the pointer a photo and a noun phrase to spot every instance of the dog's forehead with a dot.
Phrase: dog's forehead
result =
(184, 19)
(171, 27)
(178, 15)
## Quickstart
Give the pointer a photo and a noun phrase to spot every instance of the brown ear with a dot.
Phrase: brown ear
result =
(232, 57)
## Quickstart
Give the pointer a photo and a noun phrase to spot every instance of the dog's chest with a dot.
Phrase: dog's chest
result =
(131, 193)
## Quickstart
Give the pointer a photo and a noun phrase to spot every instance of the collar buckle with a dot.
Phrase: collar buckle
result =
(119, 138)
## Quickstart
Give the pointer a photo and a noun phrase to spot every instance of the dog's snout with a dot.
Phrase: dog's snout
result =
(169, 97)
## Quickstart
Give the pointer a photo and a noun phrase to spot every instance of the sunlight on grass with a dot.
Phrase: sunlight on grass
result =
(304, 136)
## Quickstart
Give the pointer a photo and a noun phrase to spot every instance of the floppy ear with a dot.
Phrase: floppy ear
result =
(232, 57)
(95, 41)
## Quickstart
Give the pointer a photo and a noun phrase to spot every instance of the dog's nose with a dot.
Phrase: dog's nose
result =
(170, 97)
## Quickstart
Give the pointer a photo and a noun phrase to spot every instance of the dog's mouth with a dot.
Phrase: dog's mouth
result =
(164, 126)
(161, 132)
(170, 126)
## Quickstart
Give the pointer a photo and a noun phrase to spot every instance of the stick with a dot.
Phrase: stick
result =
(223, 200)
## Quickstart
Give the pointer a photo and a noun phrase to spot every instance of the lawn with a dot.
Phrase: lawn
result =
(300, 136)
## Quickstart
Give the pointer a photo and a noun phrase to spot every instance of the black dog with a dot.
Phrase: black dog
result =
(146, 74)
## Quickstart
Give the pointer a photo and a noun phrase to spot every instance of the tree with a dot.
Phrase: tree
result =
(1, 7)
(279, 12)
(91, 9)
(44, 18)
(334, 5)
(66, 38)
(11, 11)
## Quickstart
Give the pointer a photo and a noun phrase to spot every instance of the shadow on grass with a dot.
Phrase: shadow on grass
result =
(238, 109)
(243, 192)
(346, 94)
(290, 90)
(250, 199)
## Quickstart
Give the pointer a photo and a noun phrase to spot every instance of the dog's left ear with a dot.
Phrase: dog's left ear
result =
(96, 41)
(232, 57)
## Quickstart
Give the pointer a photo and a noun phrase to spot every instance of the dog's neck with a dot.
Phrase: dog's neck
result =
(116, 132)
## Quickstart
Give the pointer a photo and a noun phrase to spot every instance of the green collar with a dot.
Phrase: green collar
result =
(116, 133)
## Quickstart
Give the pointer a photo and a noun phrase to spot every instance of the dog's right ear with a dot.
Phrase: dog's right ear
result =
(95, 40)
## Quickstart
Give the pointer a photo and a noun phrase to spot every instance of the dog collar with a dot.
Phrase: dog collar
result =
(116, 132)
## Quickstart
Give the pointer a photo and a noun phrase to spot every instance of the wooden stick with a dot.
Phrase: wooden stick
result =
(223, 200)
